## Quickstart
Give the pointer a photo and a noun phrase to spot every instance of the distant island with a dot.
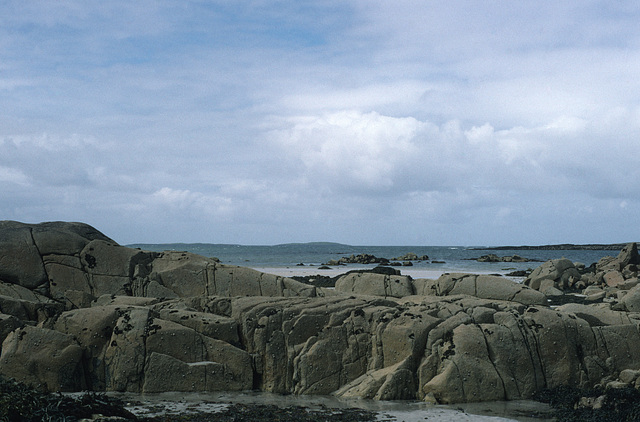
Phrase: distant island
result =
(561, 247)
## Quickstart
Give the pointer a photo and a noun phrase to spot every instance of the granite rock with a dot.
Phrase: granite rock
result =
(78, 311)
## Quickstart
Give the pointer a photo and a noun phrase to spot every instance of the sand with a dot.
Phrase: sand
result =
(334, 271)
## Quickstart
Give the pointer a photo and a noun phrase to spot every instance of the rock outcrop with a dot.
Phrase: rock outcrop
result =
(481, 286)
(78, 311)
(363, 258)
(611, 278)
(411, 256)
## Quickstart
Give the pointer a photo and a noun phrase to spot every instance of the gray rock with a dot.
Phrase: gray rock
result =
(97, 315)
(631, 301)
(20, 260)
(561, 271)
(627, 256)
(8, 323)
(596, 315)
(629, 376)
(481, 286)
(44, 358)
(375, 284)
(25, 304)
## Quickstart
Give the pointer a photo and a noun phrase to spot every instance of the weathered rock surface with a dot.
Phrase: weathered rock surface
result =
(78, 311)
(375, 284)
(612, 276)
(482, 286)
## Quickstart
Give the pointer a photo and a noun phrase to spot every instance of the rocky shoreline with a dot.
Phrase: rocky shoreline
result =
(365, 259)
(559, 247)
(80, 312)
(21, 403)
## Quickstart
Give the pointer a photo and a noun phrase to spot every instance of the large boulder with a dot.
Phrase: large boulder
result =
(20, 260)
(481, 286)
(45, 358)
(110, 268)
(182, 274)
(62, 238)
(206, 323)
(163, 370)
(126, 347)
(520, 353)
(74, 263)
(375, 284)
(631, 301)
(561, 273)
(627, 256)
(26, 304)
(24, 246)
(181, 356)
(599, 315)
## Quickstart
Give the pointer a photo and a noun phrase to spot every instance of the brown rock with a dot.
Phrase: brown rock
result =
(375, 284)
(613, 278)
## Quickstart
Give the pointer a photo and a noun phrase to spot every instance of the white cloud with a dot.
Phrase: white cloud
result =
(181, 200)
(12, 175)
(275, 119)
(351, 150)
(398, 95)
(368, 153)
(50, 143)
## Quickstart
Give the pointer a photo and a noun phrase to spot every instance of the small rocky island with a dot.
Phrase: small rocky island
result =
(365, 259)
(80, 312)
(495, 258)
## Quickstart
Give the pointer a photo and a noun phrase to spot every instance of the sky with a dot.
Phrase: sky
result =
(364, 122)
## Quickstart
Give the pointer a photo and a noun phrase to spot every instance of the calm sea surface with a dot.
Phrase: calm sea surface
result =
(454, 258)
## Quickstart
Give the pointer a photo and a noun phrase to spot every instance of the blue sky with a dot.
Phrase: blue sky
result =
(362, 122)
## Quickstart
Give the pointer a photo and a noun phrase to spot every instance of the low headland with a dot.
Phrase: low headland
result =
(79, 312)
(562, 247)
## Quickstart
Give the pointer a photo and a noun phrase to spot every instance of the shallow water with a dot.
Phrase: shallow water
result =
(401, 411)
(441, 258)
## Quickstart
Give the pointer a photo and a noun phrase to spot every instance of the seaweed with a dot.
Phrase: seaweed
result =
(20, 402)
(571, 404)
(268, 413)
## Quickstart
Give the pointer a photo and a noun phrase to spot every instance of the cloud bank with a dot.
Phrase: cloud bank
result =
(357, 122)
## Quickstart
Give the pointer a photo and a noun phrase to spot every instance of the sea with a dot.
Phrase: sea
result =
(305, 258)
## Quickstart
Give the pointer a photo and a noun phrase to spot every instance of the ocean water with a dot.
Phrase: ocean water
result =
(151, 405)
(450, 258)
